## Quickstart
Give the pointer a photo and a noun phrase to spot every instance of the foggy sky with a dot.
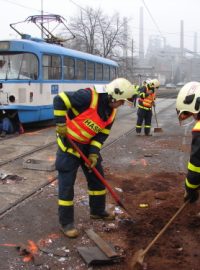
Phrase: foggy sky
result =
(164, 18)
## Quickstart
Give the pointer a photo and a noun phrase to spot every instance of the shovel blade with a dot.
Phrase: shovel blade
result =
(138, 258)
(158, 130)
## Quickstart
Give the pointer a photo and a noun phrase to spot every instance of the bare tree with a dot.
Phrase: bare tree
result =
(85, 26)
(99, 34)
(111, 35)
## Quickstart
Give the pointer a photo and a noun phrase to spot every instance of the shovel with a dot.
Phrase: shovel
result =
(157, 129)
(100, 177)
(138, 257)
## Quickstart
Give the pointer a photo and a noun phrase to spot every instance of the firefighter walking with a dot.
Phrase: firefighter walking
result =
(86, 117)
(147, 96)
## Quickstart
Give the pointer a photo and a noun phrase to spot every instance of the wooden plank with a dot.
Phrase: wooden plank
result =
(101, 244)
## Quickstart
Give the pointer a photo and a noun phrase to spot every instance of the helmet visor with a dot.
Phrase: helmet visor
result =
(184, 117)
(187, 122)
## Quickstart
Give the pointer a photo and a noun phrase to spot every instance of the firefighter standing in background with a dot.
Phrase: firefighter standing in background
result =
(146, 100)
(86, 116)
(188, 105)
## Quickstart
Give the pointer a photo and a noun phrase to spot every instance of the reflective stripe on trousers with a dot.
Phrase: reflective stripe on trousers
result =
(67, 166)
(144, 116)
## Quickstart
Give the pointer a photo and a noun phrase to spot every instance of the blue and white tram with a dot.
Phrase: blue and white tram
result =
(33, 71)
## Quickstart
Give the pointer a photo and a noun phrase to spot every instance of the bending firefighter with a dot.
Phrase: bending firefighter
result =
(188, 105)
(146, 100)
(86, 116)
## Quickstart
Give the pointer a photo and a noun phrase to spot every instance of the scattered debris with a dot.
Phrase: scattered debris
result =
(109, 227)
(41, 165)
(102, 254)
(143, 205)
(59, 252)
(118, 189)
(94, 256)
(148, 155)
(118, 210)
(28, 251)
(10, 178)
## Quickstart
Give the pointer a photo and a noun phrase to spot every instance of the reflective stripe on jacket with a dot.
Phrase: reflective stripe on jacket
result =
(196, 127)
(148, 101)
(192, 180)
(87, 124)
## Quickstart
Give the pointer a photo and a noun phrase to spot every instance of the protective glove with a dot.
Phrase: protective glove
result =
(61, 129)
(191, 194)
(93, 160)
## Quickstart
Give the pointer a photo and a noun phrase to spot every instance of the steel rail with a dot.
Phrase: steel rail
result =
(49, 182)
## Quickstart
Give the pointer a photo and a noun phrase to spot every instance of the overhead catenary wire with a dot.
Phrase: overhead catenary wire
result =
(20, 5)
(154, 21)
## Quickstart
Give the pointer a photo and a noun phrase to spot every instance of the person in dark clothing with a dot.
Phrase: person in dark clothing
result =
(146, 100)
(9, 123)
(188, 105)
(86, 116)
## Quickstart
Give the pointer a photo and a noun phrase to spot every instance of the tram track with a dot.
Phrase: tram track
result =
(39, 148)
(42, 147)
(34, 191)
(49, 182)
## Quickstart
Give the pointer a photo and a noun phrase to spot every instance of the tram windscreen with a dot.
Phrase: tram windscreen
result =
(18, 66)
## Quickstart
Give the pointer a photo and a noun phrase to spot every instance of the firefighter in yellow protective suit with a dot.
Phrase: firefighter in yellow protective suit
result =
(188, 105)
(86, 116)
(147, 96)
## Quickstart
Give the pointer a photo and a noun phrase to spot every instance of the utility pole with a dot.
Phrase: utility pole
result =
(132, 61)
(141, 36)
(42, 13)
(125, 45)
(181, 49)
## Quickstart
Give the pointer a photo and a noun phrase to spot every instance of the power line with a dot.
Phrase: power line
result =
(14, 3)
(155, 23)
(78, 5)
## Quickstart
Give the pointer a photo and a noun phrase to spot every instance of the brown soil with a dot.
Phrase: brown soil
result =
(148, 174)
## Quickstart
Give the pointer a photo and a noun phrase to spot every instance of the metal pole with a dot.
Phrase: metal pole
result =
(42, 12)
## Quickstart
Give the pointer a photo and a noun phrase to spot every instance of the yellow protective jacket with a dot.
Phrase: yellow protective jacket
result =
(87, 124)
(76, 103)
(146, 98)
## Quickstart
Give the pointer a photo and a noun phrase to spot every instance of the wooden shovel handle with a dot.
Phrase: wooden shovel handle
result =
(165, 227)
(155, 115)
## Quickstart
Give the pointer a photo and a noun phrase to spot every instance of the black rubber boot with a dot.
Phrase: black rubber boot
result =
(104, 216)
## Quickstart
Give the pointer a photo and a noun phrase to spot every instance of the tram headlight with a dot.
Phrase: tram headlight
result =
(4, 45)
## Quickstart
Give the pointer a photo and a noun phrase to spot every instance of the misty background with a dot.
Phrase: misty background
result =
(148, 38)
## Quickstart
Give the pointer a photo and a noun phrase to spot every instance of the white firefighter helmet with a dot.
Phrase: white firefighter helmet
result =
(119, 89)
(154, 83)
(188, 100)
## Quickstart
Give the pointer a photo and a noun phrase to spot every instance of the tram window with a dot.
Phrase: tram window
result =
(80, 70)
(51, 67)
(29, 67)
(90, 71)
(69, 68)
(20, 66)
(99, 72)
(112, 73)
(106, 73)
